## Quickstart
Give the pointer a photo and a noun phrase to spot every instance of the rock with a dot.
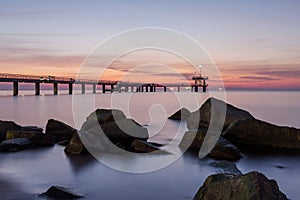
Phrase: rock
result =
(59, 192)
(31, 128)
(222, 150)
(64, 142)
(37, 138)
(226, 167)
(60, 130)
(251, 186)
(253, 133)
(5, 126)
(43, 140)
(139, 146)
(202, 117)
(75, 146)
(114, 124)
(181, 114)
(10, 134)
(104, 116)
(15, 144)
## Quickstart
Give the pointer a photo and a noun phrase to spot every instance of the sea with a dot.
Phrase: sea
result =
(33, 171)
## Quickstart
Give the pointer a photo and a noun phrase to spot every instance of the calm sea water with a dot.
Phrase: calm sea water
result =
(35, 170)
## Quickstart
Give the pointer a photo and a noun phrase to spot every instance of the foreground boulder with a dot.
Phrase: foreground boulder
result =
(120, 130)
(202, 117)
(59, 192)
(75, 146)
(16, 144)
(255, 133)
(251, 186)
(222, 150)
(181, 114)
(59, 130)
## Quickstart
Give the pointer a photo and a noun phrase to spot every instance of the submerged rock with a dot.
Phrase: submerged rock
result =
(226, 167)
(255, 133)
(59, 130)
(222, 150)
(181, 114)
(202, 117)
(59, 192)
(251, 186)
(15, 144)
(75, 146)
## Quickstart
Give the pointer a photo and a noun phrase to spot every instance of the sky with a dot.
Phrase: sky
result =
(254, 44)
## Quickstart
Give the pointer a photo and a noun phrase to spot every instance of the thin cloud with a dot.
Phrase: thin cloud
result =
(260, 78)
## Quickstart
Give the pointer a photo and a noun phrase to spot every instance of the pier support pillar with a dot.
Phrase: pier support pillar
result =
(165, 88)
(178, 88)
(151, 88)
(103, 88)
(37, 88)
(154, 89)
(55, 88)
(126, 88)
(132, 89)
(82, 88)
(70, 88)
(94, 88)
(196, 88)
(112, 88)
(119, 88)
(15, 88)
(146, 88)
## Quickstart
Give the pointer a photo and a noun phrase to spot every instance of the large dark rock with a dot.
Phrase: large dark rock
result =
(5, 126)
(43, 140)
(226, 167)
(255, 133)
(59, 192)
(16, 144)
(116, 127)
(222, 150)
(60, 130)
(181, 114)
(202, 117)
(75, 146)
(251, 186)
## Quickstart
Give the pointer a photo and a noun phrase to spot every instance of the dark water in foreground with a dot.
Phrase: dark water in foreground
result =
(35, 170)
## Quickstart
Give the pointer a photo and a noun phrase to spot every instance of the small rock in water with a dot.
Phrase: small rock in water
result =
(59, 192)
(226, 167)
(279, 166)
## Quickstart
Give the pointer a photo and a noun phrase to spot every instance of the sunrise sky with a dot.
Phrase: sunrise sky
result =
(255, 44)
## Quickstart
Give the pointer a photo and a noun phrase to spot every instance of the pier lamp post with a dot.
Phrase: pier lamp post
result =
(200, 67)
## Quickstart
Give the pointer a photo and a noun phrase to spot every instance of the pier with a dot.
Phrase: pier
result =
(106, 85)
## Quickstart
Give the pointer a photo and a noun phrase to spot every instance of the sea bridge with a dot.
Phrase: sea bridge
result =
(106, 85)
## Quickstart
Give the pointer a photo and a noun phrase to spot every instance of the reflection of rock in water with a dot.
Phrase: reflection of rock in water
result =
(80, 163)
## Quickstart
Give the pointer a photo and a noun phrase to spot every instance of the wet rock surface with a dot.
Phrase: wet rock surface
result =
(251, 186)
(59, 130)
(16, 144)
(252, 133)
